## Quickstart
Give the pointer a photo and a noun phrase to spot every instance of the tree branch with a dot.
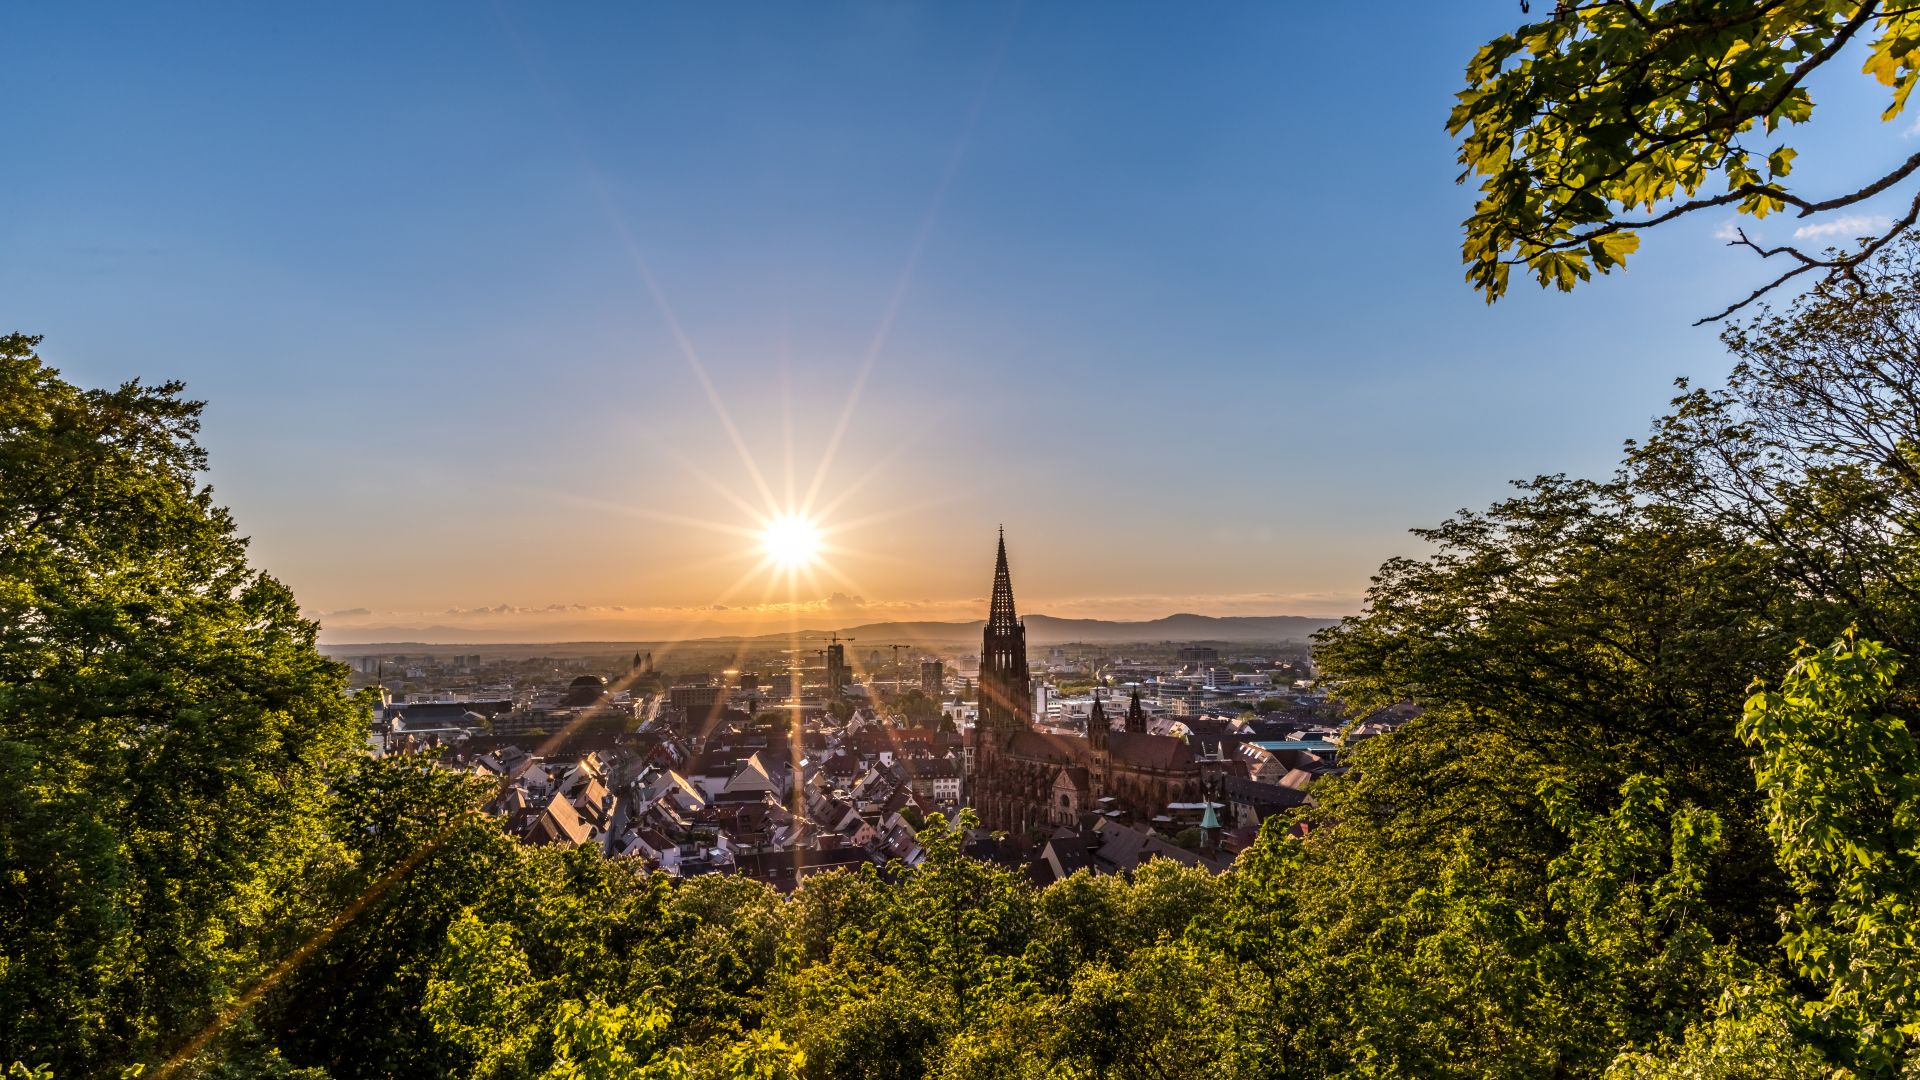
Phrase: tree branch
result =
(1846, 265)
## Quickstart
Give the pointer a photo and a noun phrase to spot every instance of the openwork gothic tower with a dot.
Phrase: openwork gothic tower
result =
(1006, 708)
(1025, 781)
(1006, 692)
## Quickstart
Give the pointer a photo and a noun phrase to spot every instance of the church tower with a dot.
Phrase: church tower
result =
(1006, 704)
(1006, 691)
(1136, 716)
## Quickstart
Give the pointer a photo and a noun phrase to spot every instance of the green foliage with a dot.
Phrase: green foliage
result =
(592, 1041)
(1610, 109)
(553, 971)
(1841, 772)
(1567, 637)
(918, 709)
(420, 857)
(1745, 1040)
(166, 731)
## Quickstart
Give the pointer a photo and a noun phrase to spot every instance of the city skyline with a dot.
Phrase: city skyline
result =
(529, 322)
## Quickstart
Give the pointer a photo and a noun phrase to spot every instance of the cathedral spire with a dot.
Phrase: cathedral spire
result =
(1097, 727)
(1136, 716)
(1006, 692)
(1000, 614)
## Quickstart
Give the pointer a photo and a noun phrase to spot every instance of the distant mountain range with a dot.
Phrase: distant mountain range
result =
(1041, 630)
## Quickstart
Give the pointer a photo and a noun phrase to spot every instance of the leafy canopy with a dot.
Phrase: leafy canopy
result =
(1613, 116)
(166, 730)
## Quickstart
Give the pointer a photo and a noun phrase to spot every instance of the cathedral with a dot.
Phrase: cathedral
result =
(1025, 779)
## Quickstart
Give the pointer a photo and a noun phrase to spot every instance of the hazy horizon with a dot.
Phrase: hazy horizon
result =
(555, 627)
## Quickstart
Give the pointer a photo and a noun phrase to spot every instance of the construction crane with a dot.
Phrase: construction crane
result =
(837, 669)
(896, 659)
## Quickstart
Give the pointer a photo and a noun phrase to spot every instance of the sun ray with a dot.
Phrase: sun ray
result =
(879, 466)
(786, 412)
(715, 485)
(878, 342)
(842, 579)
(687, 351)
(650, 514)
(680, 636)
(888, 514)
(867, 556)
(531, 62)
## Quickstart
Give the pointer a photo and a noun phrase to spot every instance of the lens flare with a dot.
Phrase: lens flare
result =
(791, 541)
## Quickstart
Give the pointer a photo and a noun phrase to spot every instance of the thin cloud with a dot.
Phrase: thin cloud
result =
(1848, 226)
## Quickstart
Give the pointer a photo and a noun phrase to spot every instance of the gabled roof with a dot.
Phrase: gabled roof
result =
(1066, 852)
(592, 793)
(1044, 746)
(1254, 793)
(560, 824)
(1126, 849)
(758, 773)
(1161, 752)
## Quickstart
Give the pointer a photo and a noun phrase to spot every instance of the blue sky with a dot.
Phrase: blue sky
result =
(1172, 291)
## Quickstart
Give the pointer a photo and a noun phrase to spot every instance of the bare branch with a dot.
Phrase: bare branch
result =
(1768, 253)
(1846, 266)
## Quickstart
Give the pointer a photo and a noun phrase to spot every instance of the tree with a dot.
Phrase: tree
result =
(902, 967)
(420, 857)
(1575, 634)
(166, 731)
(1837, 760)
(918, 709)
(1841, 771)
(558, 971)
(1610, 117)
(1168, 1011)
(1808, 453)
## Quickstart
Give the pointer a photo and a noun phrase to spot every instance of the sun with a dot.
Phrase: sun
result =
(791, 541)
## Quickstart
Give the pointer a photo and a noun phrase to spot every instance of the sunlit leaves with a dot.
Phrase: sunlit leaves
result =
(167, 728)
(1841, 771)
(1604, 110)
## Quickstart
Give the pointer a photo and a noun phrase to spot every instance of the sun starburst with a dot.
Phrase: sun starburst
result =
(791, 541)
